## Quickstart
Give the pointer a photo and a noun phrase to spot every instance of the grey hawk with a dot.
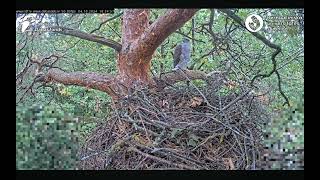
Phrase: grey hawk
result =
(181, 56)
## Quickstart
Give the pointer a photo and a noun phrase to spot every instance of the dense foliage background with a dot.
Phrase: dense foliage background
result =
(53, 121)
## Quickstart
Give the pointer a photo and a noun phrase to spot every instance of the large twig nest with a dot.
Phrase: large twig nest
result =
(178, 128)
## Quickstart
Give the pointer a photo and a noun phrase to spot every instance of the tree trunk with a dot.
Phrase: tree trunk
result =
(133, 66)
(139, 41)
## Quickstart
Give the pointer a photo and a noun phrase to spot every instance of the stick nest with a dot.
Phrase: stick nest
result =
(179, 128)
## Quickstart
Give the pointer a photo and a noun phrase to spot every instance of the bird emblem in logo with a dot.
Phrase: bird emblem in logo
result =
(254, 23)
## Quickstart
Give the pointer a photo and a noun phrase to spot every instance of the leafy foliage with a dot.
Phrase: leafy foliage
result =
(285, 137)
(46, 117)
(46, 138)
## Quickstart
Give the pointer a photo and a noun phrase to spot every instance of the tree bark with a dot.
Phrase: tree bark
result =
(139, 42)
(102, 82)
(132, 65)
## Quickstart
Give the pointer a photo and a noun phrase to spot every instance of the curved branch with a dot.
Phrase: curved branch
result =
(177, 76)
(159, 30)
(90, 37)
(92, 80)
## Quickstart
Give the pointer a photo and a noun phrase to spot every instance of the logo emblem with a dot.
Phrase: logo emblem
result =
(254, 23)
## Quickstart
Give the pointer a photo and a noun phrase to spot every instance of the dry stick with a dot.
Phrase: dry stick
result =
(235, 100)
(111, 129)
(110, 19)
(147, 135)
(140, 163)
(184, 158)
(253, 151)
(213, 118)
(206, 100)
(151, 104)
(235, 150)
(110, 151)
(155, 123)
(189, 37)
(147, 100)
(130, 120)
(236, 138)
(182, 166)
(224, 152)
(226, 107)
(203, 142)
(246, 152)
(172, 153)
(239, 144)
(170, 150)
(114, 31)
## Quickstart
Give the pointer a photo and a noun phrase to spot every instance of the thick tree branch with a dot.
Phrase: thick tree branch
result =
(177, 76)
(140, 40)
(87, 36)
(110, 84)
(92, 80)
(158, 31)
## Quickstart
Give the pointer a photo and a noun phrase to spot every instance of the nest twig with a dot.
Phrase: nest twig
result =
(178, 129)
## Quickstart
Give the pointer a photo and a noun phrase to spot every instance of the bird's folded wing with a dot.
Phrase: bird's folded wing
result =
(176, 55)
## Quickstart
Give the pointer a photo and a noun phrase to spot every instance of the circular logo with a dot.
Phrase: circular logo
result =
(254, 23)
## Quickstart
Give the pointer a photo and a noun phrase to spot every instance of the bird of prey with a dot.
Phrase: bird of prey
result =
(181, 56)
